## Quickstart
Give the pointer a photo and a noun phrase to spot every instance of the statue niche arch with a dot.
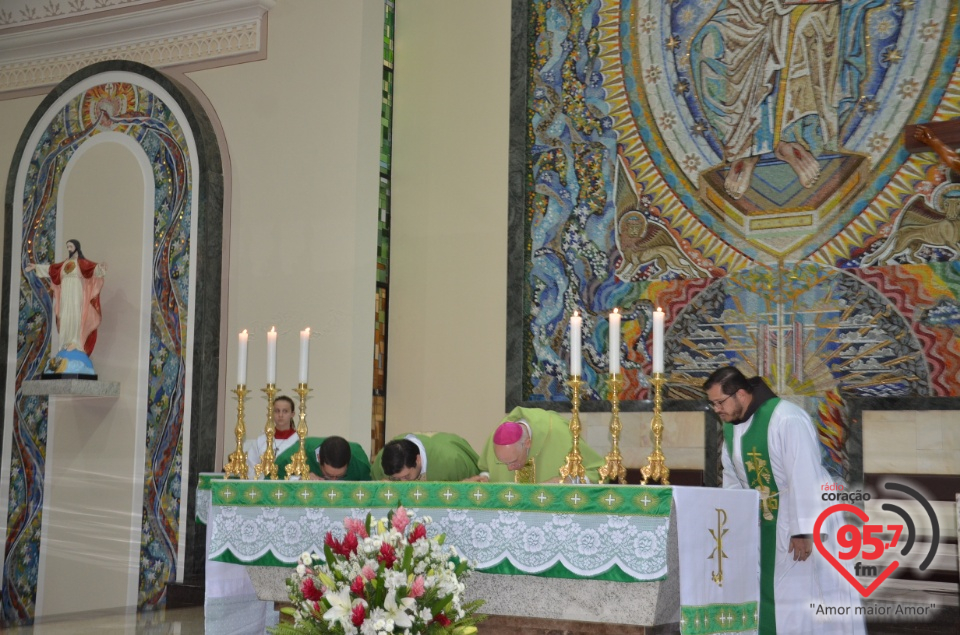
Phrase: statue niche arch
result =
(183, 243)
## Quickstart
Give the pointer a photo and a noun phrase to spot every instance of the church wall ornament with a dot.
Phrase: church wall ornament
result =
(44, 41)
(802, 242)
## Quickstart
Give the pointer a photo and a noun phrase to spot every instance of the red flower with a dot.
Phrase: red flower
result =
(419, 531)
(387, 555)
(349, 544)
(357, 587)
(334, 544)
(358, 615)
(310, 592)
(441, 619)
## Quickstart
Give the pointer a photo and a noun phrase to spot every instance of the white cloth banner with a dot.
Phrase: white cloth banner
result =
(718, 535)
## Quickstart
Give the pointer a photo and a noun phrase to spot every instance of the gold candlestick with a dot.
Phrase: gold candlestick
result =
(572, 471)
(237, 465)
(298, 463)
(613, 469)
(267, 466)
(656, 467)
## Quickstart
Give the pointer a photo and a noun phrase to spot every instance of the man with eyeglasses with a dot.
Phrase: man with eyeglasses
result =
(530, 446)
(770, 445)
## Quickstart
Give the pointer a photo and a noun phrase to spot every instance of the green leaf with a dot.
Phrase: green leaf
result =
(407, 558)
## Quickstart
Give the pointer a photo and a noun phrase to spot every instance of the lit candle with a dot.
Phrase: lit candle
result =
(576, 323)
(615, 342)
(658, 340)
(272, 355)
(242, 359)
(304, 354)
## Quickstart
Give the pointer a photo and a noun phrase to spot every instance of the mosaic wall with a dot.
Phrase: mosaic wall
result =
(136, 111)
(379, 420)
(740, 163)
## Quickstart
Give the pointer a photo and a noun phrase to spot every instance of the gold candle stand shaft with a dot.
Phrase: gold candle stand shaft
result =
(298, 463)
(267, 467)
(572, 471)
(237, 465)
(656, 467)
(613, 469)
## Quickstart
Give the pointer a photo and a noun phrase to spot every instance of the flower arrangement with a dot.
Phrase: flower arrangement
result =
(383, 577)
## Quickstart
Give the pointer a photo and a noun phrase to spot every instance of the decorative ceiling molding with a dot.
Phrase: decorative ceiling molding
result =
(19, 13)
(42, 51)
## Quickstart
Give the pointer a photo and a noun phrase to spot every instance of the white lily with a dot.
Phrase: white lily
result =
(339, 604)
(398, 612)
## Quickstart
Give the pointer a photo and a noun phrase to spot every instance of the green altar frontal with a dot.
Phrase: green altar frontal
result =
(614, 533)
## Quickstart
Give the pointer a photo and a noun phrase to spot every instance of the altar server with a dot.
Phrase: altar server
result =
(530, 446)
(426, 456)
(285, 439)
(771, 445)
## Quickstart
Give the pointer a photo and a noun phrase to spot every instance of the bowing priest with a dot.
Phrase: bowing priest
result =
(530, 446)
(426, 456)
(336, 459)
(771, 445)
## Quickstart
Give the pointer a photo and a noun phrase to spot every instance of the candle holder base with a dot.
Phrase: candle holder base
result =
(298, 462)
(656, 468)
(613, 469)
(237, 465)
(267, 467)
(572, 470)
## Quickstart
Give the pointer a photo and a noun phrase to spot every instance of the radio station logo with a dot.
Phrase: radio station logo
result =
(865, 544)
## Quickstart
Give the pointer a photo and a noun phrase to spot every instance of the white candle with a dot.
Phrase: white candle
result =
(576, 323)
(615, 342)
(272, 355)
(658, 340)
(242, 359)
(304, 354)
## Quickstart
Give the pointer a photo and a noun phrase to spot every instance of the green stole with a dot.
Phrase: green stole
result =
(756, 460)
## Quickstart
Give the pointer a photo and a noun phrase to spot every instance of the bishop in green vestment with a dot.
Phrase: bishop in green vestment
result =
(534, 451)
(426, 456)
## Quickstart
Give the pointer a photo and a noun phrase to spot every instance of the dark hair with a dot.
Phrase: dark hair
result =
(293, 407)
(76, 243)
(730, 380)
(398, 454)
(334, 451)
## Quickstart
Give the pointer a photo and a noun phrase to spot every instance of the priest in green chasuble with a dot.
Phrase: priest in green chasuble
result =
(530, 446)
(426, 456)
(770, 445)
(336, 459)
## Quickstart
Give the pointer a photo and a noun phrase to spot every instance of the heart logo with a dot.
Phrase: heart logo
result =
(862, 515)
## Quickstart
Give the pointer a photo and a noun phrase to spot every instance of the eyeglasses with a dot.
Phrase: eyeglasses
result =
(719, 402)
